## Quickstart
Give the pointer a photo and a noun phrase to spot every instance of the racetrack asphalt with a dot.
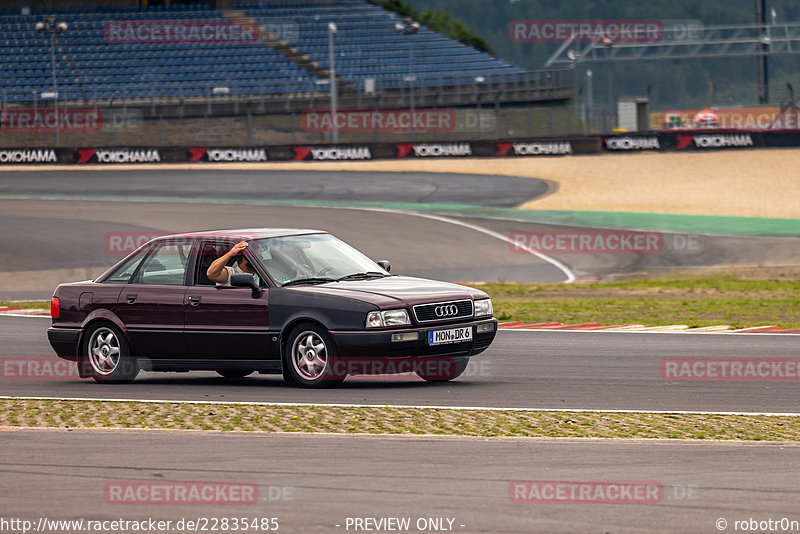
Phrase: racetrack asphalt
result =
(535, 370)
(314, 483)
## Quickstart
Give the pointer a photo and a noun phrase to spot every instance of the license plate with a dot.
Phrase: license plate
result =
(453, 335)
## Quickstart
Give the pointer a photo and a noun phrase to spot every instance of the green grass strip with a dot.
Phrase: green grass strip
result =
(26, 304)
(49, 413)
(717, 300)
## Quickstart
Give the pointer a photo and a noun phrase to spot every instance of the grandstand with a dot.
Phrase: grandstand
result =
(113, 53)
(369, 46)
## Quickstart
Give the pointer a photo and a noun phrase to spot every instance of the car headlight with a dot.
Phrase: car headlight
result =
(483, 307)
(377, 319)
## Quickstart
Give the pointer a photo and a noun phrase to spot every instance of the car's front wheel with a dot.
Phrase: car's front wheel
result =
(310, 358)
(107, 356)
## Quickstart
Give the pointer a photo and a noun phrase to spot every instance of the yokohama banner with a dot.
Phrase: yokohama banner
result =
(535, 148)
(117, 155)
(717, 139)
(28, 155)
(625, 143)
(227, 154)
(737, 140)
(333, 153)
(434, 150)
(634, 142)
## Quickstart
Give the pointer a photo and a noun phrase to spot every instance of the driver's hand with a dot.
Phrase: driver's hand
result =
(238, 248)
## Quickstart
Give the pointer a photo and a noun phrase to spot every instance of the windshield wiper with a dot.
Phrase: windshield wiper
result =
(360, 276)
(311, 280)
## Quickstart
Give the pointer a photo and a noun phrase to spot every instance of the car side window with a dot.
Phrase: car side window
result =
(208, 252)
(123, 274)
(166, 266)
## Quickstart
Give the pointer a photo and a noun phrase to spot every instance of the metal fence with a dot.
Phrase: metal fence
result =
(535, 104)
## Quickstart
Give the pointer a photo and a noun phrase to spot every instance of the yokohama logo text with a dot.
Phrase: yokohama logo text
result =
(28, 156)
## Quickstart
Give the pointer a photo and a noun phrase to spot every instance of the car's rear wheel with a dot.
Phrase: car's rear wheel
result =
(107, 356)
(234, 373)
(441, 369)
(310, 358)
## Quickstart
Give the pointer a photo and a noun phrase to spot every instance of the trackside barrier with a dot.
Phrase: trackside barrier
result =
(692, 140)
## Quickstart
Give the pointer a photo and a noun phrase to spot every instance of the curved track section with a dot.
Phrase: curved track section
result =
(66, 236)
(66, 225)
(74, 240)
(351, 186)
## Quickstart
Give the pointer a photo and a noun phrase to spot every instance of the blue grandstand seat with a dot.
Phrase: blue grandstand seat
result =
(366, 46)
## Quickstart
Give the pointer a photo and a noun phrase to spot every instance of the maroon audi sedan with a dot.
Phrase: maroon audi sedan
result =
(313, 309)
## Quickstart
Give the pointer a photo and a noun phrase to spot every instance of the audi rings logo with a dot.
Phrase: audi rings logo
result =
(446, 311)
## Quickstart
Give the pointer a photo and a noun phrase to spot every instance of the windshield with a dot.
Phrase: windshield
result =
(320, 257)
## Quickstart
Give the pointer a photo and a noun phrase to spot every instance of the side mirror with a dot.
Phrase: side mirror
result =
(246, 280)
(385, 265)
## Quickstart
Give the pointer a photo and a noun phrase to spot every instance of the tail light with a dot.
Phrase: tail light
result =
(55, 307)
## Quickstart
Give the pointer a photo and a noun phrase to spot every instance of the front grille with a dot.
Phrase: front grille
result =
(426, 313)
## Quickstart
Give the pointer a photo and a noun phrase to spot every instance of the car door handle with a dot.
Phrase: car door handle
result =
(130, 297)
(195, 299)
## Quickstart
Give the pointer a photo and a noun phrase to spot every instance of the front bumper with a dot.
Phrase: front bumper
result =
(379, 344)
(64, 341)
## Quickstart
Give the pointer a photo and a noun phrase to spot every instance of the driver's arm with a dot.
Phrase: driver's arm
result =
(216, 271)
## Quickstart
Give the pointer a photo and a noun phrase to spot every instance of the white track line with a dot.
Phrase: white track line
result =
(401, 406)
(649, 332)
(497, 235)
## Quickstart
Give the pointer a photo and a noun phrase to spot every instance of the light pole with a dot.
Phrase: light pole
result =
(409, 28)
(477, 80)
(52, 27)
(332, 81)
(589, 99)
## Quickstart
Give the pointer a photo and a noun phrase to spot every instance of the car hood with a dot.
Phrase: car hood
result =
(394, 291)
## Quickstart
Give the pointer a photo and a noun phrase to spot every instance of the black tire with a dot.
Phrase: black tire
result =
(106, 356)
(234, 373)
(441, 369)
(309, 358)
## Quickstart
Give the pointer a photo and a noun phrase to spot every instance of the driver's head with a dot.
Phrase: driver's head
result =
(244, 264)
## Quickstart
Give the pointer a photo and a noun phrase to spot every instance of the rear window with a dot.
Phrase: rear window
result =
(122, 275)
(167, 266)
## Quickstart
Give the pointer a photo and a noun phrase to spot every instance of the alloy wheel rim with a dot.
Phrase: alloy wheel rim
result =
(309, 356)
(104, 351)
